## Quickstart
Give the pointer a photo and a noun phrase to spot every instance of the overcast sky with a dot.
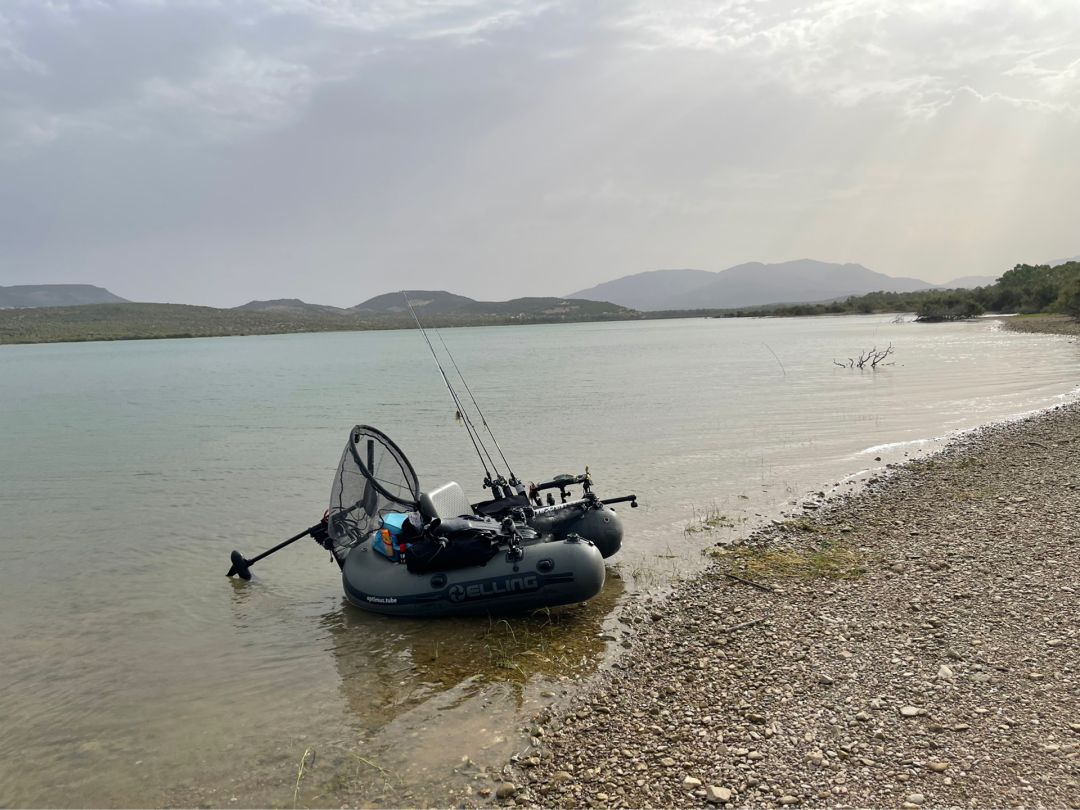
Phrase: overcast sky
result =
(215, 151)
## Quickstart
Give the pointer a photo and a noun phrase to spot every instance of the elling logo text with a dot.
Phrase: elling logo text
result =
(489, 588)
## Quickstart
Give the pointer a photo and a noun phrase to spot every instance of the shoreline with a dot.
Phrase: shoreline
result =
(1042, 325)
(909, 644)
(261, 323)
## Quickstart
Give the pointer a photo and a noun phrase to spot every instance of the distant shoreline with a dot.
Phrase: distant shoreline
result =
(122, 322)
(1042, 324)
(110, 322)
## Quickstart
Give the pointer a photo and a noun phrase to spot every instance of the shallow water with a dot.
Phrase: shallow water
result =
(135, 673)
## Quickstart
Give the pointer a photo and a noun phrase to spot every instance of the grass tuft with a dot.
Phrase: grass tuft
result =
(830, 560)
(708, 521)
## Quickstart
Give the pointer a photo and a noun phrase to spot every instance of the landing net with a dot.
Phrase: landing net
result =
(373, 477)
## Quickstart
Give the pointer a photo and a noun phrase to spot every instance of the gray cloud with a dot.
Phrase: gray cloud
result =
(213, 151)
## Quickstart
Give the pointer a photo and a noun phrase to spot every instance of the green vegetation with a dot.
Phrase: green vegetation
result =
(1025, 289)
(1069, 300)
(143, 321)
(709, 521)
(831, 559)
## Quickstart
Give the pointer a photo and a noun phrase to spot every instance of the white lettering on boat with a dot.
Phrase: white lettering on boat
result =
(501, 586)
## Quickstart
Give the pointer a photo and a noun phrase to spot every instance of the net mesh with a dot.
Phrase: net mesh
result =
(373, 478)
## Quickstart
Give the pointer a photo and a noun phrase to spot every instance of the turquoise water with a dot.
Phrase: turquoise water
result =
(134, 673)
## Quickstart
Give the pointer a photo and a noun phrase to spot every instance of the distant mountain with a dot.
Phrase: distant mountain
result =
(56, 295)
(643, 290)
(750, 284)
(968, 282)
(292, 306)
(1056, 262)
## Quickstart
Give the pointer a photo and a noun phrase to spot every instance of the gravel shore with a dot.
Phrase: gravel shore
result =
(1043, 324)
(914, 645)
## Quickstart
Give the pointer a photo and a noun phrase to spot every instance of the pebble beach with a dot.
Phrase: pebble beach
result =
(916, 644)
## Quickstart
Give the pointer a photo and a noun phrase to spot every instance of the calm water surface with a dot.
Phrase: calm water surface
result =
(135, 674)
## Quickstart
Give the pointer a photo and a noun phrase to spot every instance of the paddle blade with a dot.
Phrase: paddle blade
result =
(239, 566)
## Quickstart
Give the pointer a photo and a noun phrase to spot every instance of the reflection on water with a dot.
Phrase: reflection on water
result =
(466, 681)
(134, 673)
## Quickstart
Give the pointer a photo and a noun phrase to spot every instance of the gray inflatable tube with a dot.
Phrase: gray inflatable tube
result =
(547, 574)
(589, 519)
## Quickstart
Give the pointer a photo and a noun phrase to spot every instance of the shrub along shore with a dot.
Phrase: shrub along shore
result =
(913, 645)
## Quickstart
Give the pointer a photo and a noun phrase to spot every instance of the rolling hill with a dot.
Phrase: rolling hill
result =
(56, 295)
(128, 321)
(291, 305)
(423, 301)
(446, 307)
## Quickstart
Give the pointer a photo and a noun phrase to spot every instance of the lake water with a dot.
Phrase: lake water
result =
(135, 674)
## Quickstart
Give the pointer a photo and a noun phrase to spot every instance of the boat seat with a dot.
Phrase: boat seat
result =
(445, 502)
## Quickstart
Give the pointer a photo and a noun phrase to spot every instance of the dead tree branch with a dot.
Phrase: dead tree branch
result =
(871, 358)
(758, 585)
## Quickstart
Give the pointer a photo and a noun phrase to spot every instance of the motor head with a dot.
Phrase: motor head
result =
(240, 566)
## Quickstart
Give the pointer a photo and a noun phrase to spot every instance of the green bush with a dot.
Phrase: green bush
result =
(1069, 300)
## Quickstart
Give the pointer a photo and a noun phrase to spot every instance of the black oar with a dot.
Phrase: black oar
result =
(240, 565)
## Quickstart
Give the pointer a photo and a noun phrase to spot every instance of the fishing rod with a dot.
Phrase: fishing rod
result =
(483, 419)
(474, 434)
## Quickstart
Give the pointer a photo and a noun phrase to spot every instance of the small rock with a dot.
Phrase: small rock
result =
(938, 767)
(1036, 676)
(667, 762)
(789, 799)
(505, 790)
(825, 680)
(690, 783)
(862, 717)
(910, 711)
(945, 673)
(916, 798)
(562, 776)
(717, 795)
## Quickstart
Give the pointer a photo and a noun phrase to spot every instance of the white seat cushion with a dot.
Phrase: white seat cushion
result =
(445, 502)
